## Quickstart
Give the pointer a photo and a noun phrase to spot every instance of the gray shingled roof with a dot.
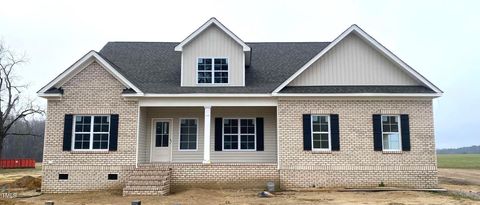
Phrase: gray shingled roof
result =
(154, 67)
(356, 89)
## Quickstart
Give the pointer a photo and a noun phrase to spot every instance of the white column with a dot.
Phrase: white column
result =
(206, 135)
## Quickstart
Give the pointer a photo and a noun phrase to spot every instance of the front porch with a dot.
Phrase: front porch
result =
(235, 134)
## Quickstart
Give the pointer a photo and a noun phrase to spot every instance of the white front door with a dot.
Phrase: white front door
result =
(161, 138)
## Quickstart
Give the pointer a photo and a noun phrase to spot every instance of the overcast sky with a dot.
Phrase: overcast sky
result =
(440, 39)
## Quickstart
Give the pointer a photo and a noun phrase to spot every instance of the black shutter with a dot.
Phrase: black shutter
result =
(335, 132)
(112, 146)
(307, 132)
(218, 134)
(377, 132)
(67, 132)
(260, 134)
(405, 129)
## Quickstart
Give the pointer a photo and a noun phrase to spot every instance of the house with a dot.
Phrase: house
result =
(215, 111)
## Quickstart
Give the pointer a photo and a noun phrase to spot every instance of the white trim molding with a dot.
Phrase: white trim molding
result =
(329, 132)
(433, 95)
(188, 95)
(201, 102)
(207, 24)
(78, 66)
(375, 44)
(206, 133)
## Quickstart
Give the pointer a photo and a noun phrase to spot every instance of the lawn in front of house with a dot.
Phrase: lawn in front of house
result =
(459, 161)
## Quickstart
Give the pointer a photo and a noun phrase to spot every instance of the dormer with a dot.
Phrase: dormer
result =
(213, 56)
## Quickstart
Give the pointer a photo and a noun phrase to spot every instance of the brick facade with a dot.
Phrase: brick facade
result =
(95, 91)
(91, 91)
(356, 164)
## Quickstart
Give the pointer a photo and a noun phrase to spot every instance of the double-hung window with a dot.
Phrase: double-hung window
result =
(391, 133)
(212, 71)
(321, 132)
(188, 134)
(239, 134)
(91, 132)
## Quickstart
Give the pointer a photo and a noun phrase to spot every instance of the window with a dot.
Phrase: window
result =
(162, 134)
(112, 177)
(216, 68)
(188, 134)
(321, 132)
(91, 132)
(239, 134)
(391, 133)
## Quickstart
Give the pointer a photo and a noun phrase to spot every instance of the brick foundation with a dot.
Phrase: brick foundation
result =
(227, 175)
(83, 178)
(222, 175)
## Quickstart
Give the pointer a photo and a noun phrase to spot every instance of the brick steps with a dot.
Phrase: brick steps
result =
(148, 181)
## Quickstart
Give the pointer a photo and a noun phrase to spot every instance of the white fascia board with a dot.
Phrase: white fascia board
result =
(46, 95)
(79, 66)
(245, 47)
(242, 95)
(371, 41)
(208, 101)
(239, 95)
(357, 94)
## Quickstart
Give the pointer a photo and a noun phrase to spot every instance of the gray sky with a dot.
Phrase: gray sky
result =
(440, 39)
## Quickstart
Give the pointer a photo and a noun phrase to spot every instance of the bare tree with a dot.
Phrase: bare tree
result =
(14, 107)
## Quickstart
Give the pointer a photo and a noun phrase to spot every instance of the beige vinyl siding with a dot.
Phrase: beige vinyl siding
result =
(175, 114)
(353, 62)
(270, 135)
(142, 136)
(270, 129)
(213, 42)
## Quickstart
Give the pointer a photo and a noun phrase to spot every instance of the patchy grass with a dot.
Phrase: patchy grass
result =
(459, 161)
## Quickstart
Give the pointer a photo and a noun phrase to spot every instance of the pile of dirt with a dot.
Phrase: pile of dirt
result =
(26, 182)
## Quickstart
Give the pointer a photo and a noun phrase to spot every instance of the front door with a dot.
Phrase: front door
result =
(161, 138)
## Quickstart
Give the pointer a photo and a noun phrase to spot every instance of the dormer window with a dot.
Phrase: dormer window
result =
(212, 71)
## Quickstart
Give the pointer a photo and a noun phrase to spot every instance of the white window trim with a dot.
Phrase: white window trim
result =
(212, 71)
(239, 135)
(91, 133)
(319, 132)
(180, 133)
(399, 133)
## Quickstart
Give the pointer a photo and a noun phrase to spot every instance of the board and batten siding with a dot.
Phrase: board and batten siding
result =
(353, 62)
(213, 42)
(270, 129)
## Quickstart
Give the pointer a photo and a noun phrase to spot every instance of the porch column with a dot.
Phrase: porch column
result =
(206, 135)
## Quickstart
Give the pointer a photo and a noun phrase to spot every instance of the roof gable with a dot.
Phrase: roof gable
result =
(353, 62)
(212, 21)
(354, 29)
(77, 67)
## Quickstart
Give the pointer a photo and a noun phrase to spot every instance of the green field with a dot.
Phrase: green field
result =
(460, 161)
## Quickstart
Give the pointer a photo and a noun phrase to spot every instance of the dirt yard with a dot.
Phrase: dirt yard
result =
(202, 196)
(463, 186)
